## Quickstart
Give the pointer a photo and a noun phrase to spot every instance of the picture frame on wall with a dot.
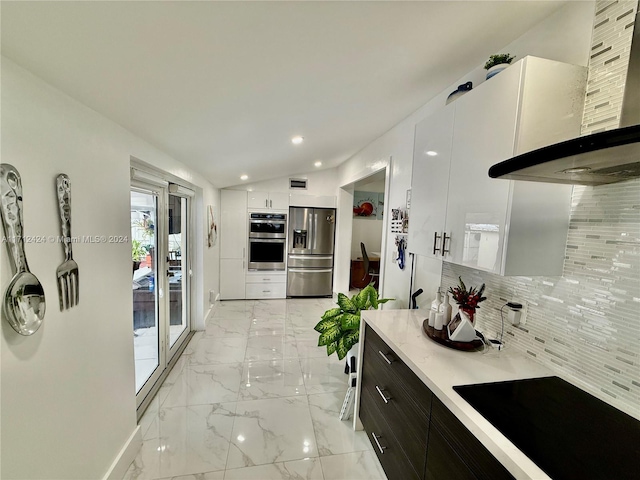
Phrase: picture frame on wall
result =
(369, 205)
(212, 227)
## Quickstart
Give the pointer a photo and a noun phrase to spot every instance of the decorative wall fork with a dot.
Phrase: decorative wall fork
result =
(67, 273)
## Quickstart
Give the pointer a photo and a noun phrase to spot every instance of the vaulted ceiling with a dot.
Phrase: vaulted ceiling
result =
(223, 86)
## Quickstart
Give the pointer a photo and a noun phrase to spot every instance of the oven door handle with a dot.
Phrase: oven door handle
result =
(267, 240)
(309, 257)
(310, 270)
(275, 222)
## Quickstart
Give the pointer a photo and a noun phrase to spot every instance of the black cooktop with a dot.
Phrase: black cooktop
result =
(567, 432)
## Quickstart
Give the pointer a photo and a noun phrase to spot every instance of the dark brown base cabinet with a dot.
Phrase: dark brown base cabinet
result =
(413, 434)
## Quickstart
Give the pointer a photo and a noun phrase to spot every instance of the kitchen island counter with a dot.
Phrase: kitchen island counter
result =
(441, 368)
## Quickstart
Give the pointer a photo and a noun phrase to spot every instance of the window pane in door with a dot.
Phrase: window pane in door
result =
(145, 297)
(177, 264)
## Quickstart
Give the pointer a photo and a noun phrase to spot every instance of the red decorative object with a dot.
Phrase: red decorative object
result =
(470, 312)
(364, 210)
(467, 299)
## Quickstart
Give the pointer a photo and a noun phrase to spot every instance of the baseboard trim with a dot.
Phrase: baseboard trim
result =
(126, 455)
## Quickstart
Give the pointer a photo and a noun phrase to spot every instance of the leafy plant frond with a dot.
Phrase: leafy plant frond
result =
(361, 299)
(345, 303)
(351, 338)
(497, 59)
(350, 321)
(330, 335)
(324, 324)
(333, 312)
(342, 349)
(339, 328)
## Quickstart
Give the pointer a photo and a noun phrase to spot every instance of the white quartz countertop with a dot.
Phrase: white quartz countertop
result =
(441, 368)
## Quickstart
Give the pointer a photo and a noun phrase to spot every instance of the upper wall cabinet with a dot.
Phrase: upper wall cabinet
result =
(501, 226)
(268, 200)
(430, 182)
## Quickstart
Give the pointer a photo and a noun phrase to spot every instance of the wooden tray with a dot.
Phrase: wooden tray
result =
(442, 337)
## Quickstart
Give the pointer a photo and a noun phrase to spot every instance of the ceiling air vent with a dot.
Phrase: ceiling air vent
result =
(298, 183)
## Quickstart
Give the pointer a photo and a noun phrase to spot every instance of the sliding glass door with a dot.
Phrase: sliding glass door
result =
(161, 286)
(145, 245)
(178, 268)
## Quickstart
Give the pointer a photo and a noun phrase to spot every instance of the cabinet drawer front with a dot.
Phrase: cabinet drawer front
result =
(397, 370)
(407, 416)
(266, 290)
(267, 277)
(465, 444)
(443, 461)
(302, 283)
(395, 463)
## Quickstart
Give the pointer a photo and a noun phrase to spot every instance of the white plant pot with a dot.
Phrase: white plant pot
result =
(496, 69)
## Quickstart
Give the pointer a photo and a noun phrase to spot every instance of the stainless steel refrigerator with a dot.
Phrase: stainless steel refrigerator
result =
(310, 254)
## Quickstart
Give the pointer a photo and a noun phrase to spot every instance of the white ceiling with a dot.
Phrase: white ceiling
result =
(223, 86)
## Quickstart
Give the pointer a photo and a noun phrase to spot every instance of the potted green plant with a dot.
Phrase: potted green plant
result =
(497, 63)
(339, 327)
(138, 252)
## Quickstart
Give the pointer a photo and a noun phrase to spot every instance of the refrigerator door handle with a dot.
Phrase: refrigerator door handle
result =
(310, 270)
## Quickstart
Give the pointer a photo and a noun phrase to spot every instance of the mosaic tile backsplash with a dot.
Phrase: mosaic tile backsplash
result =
(610, 47)
(585, 325)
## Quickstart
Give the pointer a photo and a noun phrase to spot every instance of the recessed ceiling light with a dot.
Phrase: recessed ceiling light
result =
(244, 177)
(318, 163)
(431, 153)
(297, 140)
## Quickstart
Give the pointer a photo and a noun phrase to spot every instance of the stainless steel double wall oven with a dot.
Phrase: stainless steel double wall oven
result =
(267, 241)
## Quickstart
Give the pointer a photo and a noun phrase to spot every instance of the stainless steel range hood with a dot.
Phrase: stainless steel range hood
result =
(596, 159)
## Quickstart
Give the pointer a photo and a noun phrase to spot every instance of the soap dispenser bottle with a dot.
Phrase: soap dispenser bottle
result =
(435, 307)
(445, 309)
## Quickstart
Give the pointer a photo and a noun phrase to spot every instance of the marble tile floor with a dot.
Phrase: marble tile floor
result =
(254, 398)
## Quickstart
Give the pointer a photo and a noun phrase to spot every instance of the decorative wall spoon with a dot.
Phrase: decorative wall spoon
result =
(24, 303)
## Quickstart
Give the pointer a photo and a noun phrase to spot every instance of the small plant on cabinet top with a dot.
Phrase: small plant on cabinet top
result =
(498, 59)
(339, 327)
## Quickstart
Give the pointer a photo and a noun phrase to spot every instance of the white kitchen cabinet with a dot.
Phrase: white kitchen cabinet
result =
(268, 200)
(233, 244)
(430, 182)
(262, 285)
(232, 279)
(502, 226)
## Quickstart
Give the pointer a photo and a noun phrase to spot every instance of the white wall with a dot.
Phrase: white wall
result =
(209, 267)
(68, 391)
(321, 182)
(563, 36)
(368, 232)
